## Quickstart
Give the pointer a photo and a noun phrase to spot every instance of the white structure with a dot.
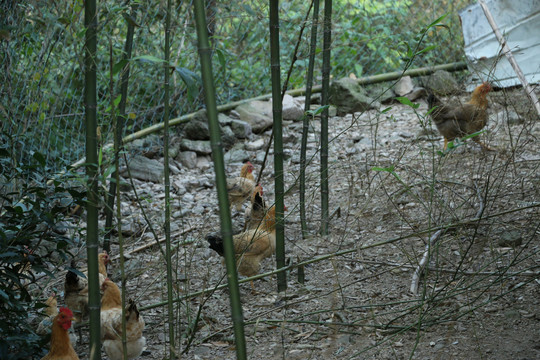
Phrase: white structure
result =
(519, 22)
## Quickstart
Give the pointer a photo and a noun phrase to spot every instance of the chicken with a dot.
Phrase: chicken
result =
(464, 119)
(255, 213)
(61, 348)
(44, 327)
(51, 311)
(241, 187)
(111, 324)
(250, 246)
(76, 287)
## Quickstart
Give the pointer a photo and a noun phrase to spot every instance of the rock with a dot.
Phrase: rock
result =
(179, 187)
(510, 239)
(228, 138)
(417, 93)
(203, 163)
(292, 109)
(404, 86)
(174, 148)
(188, 159)
(258, 114)
(255, 145)
(381, 93)
(198, 146)
(197, 127)
(349, 97)
(510, 117)
(236, 155)
(442, 83)
(241, 129)
(145, 169)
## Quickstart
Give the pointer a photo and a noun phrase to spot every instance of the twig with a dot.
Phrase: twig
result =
(433, 240)
(420, 268)
(510, 57)
(150, 244)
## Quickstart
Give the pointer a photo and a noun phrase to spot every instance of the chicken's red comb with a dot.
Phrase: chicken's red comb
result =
(66, 311)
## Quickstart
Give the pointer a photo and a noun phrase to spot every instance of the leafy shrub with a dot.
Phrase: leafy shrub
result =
(30, 239)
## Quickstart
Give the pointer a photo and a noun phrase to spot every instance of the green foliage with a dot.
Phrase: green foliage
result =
(30, 238)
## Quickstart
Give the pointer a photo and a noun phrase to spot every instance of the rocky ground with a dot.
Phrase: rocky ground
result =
(389, 185)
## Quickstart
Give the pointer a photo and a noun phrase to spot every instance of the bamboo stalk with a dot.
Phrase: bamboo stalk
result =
(327, 38)
(305, 118)
(221, 180)
(92, 235)
(119, 129)
(278, 141)
(167, 225)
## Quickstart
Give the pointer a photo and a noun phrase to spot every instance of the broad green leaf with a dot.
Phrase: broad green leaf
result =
(406, 101)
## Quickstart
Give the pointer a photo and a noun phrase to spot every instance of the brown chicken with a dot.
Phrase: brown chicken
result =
(51, 311)
(61, 348)
(76, 287)
(251, 246)
(255, 213)
(464, 119)
(241, 187)
(111, 324)
(44, 327)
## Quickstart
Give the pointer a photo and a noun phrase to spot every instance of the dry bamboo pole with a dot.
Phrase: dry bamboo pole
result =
(510, 56)
(457, 66)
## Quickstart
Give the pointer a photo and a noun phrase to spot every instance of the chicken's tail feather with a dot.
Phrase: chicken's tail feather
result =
(216, 243)
(71, 277)
(132, 310)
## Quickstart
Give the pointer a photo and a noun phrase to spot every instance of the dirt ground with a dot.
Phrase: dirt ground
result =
(391, 189)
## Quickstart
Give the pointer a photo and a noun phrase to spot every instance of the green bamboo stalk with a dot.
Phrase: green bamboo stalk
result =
(327, 37)
(120, 121)
(305, 119)
(221, 180)
(278, 141)
(120, 237)
(92, 240)
(167, 225)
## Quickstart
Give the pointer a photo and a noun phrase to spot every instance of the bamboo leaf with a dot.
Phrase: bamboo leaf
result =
(406, 101)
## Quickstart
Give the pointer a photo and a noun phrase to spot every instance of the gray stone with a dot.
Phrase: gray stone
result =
(241, 129)
(404, 86)
(188, 159)
(228, 138)
(381, 93)
(144, 169)
(197, 127)
(349, 97)
(510, 239)
(258, 114)
(442, 83)
(418, 92)
(292, 109)
(510, 117)
(255, 145)
(236, 155)
(199, 146)
(203, 163)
